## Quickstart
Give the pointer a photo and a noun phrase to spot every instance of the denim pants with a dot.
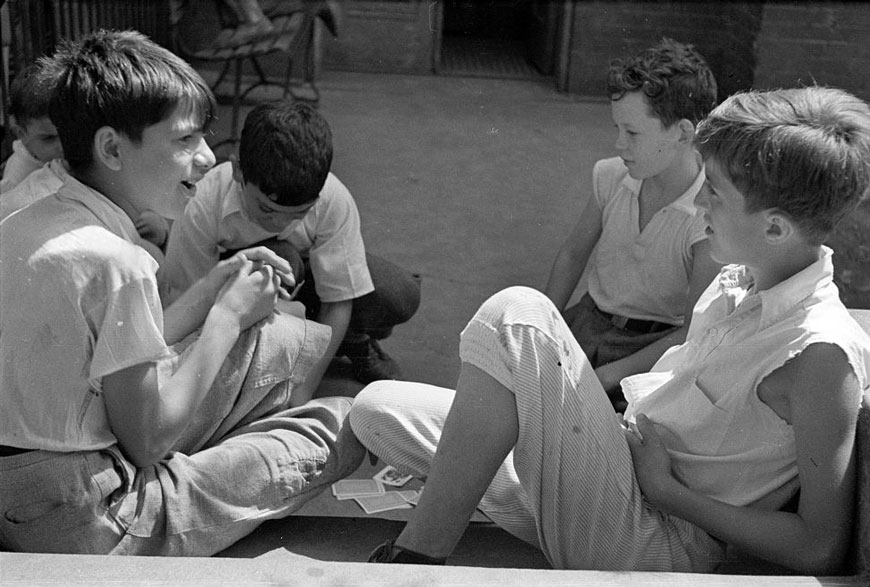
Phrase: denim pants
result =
(568, 486)
(394, 301)
(244, 458)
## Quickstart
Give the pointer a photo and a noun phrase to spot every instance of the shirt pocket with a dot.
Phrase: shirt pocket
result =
(697, 421)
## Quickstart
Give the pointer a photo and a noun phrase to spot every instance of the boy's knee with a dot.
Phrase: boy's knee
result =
(516, 304)
(405, 302)
(371, 410)
(394, 300)
(367, 402)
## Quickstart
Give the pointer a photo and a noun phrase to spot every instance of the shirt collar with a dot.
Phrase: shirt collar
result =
(233, 202)
(686, 201)
(107, 212)
(736, 282)
(22, 151)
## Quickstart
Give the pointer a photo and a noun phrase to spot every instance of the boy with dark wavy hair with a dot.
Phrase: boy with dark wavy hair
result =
(280, 193)
(638, 238)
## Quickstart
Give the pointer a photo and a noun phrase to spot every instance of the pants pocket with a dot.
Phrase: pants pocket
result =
(55, 502)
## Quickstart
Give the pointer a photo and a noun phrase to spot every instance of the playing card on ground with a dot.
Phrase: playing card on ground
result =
(350, 488)
(412, 496)
(391, 500)
(390, 476)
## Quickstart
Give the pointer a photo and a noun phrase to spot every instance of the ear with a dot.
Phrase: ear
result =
(16, 128)
(687, 131)
(237, 170)
(779, 228)
(107, 148)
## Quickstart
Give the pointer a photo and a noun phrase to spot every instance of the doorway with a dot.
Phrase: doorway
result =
(514, 39)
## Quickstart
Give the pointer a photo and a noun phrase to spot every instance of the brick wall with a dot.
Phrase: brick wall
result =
(825, 42)
(389, 36)
(724, 32)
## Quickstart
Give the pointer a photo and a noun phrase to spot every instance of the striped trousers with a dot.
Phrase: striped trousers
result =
(568, 486)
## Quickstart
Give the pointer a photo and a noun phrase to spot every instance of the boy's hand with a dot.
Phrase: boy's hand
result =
(280, 265)
(153, 227)
(250, 294)
(652, 463)
(226, 268)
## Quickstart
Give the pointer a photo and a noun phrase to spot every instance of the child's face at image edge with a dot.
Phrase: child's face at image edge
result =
(265, 213)
(645, 145)
(735, 235)
(163, 168)
(40, 138)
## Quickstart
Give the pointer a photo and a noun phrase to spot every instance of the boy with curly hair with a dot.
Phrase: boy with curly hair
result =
(638, 237)
(743, 435)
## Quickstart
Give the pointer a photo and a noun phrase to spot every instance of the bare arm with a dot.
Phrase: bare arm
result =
(147, 419)
(704, 270)
(336, 315)
(573, 255)
(821, 397)
(187, 313)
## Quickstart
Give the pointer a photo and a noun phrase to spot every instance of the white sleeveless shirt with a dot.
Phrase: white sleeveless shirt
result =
(723, 440)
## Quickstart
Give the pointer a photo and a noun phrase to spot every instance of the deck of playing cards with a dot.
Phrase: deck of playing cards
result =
(371, 494)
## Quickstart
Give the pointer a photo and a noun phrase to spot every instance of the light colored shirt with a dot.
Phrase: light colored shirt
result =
(40, 183)
(19, 165)
(723, 440)
(215, 221)
(78, 301)
(642, 274)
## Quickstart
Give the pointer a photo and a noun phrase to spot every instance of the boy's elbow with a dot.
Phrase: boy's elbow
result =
(825, 558)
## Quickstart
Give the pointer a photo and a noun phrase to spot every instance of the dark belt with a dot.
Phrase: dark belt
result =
(11, 451)
(635, 325)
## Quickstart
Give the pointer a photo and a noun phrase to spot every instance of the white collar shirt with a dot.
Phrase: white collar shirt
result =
(724, 441)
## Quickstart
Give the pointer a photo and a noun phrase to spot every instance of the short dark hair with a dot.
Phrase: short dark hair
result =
(286, 150)
(804, 152)
(30, 94)
(673, 76)
(123, 80)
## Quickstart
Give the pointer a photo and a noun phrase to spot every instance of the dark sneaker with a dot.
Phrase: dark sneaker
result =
(369, 362)
(388, 553)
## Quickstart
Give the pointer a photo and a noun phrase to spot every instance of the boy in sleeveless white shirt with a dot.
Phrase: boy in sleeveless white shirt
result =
(754, 413)
(127, 428)
(638, 237)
